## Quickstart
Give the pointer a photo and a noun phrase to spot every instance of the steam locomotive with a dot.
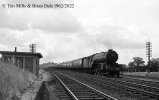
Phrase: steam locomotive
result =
(103, 63)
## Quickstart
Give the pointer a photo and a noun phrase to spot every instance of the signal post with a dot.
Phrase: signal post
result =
(148, 55)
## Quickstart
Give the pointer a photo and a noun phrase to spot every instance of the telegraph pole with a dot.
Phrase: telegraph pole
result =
(32, 48)
(149, 54)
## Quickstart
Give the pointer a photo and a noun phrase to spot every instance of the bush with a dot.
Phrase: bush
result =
(13, 81)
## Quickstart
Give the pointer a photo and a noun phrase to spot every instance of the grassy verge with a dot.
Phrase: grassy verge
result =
(13, 81)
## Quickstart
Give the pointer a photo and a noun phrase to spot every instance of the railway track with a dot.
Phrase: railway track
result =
(152, 83)
(137, 87)
(78, 90)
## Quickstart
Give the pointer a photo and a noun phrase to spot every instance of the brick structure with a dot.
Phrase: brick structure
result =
(25, 60)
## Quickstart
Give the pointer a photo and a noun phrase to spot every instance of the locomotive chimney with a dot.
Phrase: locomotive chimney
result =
(15, 49)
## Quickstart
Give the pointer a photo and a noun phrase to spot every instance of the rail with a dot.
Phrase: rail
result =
(73, 95)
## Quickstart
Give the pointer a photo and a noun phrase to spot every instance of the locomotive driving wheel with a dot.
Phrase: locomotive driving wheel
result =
(98, 70)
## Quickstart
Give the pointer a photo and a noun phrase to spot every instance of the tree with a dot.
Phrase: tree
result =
(138, 61)
(136, 64)
(155, 64)
(123, 67)
(131, 64)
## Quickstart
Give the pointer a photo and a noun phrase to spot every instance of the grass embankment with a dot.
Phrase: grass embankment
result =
(13, 81)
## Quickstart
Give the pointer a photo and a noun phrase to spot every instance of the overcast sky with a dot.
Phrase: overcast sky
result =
(90, 27)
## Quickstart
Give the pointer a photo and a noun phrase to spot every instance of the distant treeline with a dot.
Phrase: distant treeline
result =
(49, 64)
(138, 65)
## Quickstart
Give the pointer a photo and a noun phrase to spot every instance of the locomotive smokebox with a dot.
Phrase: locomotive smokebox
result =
(111, 57)
(108, 57)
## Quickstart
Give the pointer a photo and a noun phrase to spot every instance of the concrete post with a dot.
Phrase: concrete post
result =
(3, 58)
(34, 65)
